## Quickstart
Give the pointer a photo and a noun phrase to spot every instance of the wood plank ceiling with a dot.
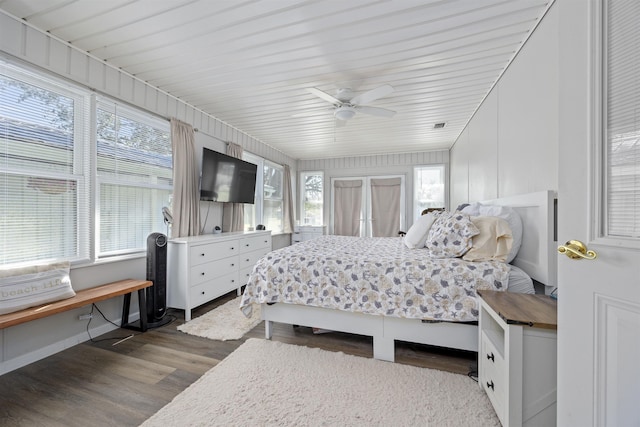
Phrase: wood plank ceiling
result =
(250, 63)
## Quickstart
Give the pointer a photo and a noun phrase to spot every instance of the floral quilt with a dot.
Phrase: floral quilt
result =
(378, 276)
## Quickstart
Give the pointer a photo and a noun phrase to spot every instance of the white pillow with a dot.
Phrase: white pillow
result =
(505, 212)
(519, 281)
(26, 287)
(418, 232)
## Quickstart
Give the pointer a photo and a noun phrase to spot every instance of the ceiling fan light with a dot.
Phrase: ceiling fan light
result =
(344, 113)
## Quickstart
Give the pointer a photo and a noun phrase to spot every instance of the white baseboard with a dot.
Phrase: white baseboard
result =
(51, 349)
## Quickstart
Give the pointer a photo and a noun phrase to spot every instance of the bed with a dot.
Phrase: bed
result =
(381, 288)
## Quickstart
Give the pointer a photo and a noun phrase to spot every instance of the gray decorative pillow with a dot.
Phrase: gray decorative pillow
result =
(26, 287)
(451, 235)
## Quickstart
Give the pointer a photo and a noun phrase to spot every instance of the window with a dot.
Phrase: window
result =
(269, 204)
(44, 189)
(311, 198)
(622, 130)
(134, 174)
(46, 164)
(273, 205)
(428, 188)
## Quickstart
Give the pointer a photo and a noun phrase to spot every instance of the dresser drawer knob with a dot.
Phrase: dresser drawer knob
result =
(202, 292)
(491, 357)
(202, 273)
(232, 247)
(247, 245)
(490, 385)
(201, 254)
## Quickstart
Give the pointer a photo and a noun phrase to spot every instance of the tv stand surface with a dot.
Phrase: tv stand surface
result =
(202, 268)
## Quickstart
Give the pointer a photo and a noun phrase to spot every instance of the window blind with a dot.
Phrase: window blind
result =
(44, 212)
(623, 118)
(134, 170)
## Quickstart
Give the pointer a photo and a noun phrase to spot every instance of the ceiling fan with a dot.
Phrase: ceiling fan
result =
(346, 105)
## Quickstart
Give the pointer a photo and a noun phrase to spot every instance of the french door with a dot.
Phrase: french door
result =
(371, 206)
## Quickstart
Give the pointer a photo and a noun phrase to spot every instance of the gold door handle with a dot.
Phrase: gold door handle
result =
(575, 249)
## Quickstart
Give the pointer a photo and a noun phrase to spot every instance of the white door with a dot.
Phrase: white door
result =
(599, 300)
(348, 206)
(361, 204)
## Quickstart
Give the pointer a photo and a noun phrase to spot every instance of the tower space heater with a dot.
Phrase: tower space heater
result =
(157, 273)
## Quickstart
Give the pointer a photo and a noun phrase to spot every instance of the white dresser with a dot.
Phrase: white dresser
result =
(202, 268)
(517, 357)
(307, 232)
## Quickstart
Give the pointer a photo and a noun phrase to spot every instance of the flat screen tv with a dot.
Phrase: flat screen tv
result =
(227, 179)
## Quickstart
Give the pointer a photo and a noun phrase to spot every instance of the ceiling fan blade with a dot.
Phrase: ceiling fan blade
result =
(372, 95)
(376, 111)
(324, 95)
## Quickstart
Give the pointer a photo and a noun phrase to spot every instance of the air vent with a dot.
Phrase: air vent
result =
(439, 125)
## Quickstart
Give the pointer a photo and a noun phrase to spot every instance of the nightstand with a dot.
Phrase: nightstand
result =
(517, 356)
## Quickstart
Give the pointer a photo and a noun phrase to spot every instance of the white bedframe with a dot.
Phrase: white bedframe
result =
(536, 256)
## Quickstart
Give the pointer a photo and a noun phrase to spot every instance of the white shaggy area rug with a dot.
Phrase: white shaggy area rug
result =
(223, 323)
(268, 383)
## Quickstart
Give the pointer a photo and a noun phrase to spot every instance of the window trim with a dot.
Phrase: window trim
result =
(81, 162)
(280, 199)
(84, 164)
(301, 209)
(259, 196)
(112, 105)
(598, 181)
(443, 167)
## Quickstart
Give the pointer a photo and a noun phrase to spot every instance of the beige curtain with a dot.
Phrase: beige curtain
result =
(287, 199)
(233, 213)
(186, 199)
(385, 207)
(347, 207)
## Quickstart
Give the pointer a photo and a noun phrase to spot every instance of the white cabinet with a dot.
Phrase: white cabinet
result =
(302, 233)
(517, 357)
(202, 268)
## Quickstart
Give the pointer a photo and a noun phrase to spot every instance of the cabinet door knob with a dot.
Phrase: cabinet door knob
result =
(201, 254)
(202, 273)
(232, 265)
(491, 357)
(247, 245)
(490, 385)
(202, 292)
(232, 247)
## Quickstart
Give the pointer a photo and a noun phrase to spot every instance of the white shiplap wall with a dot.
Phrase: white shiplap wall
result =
(391, 164)
(510, 146)
(379, 162)
(20, 43)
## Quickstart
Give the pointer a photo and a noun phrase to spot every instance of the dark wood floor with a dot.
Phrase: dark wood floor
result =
(101, 384)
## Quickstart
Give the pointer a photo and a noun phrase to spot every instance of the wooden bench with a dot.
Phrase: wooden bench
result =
(88, 296)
